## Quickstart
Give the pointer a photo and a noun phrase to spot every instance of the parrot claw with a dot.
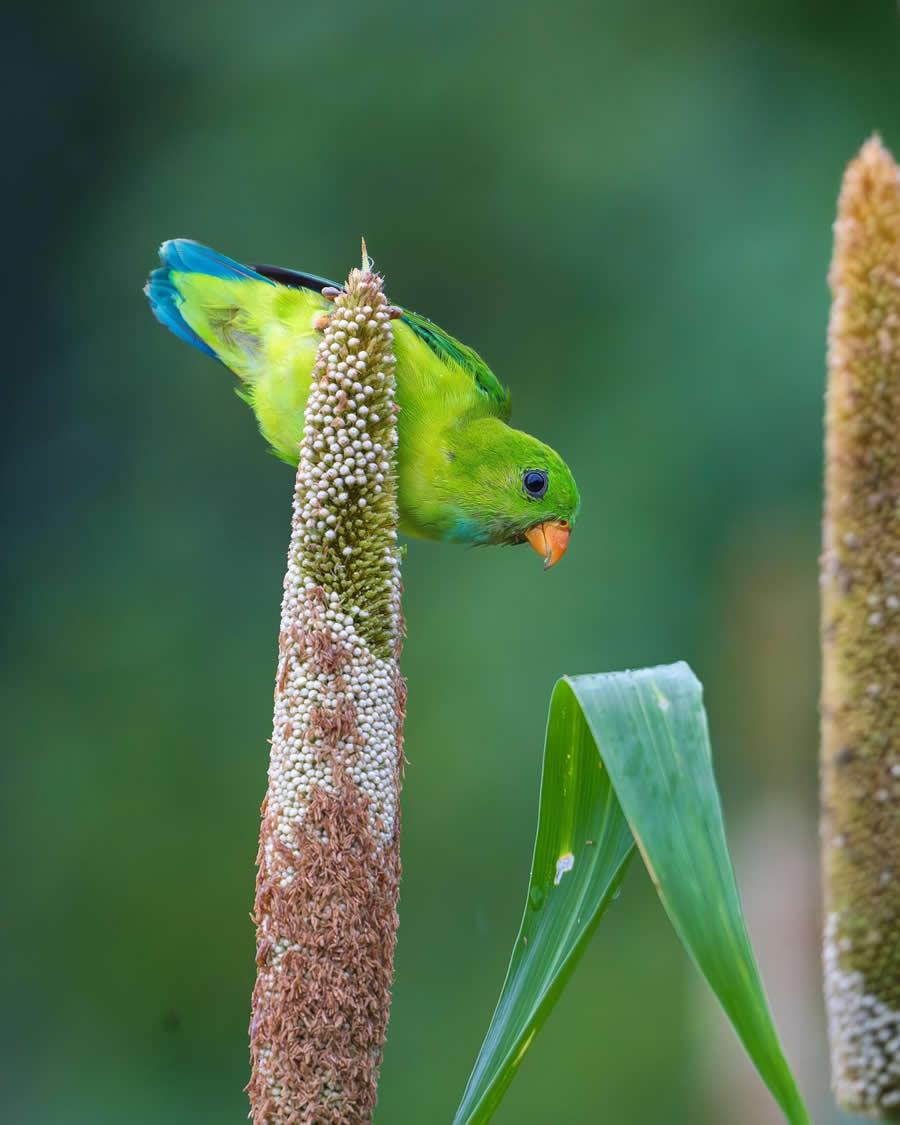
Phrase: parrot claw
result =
(394, 312)
(330, 292)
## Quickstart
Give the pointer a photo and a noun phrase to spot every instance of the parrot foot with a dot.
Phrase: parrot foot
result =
(321, 321)
(394, 312)
(330, 292)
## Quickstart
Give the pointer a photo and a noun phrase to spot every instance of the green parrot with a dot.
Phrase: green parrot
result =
(464, 475)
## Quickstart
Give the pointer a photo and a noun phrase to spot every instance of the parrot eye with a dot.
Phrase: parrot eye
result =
(534, 482)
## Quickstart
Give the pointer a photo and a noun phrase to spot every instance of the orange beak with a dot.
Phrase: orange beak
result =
(550, 539)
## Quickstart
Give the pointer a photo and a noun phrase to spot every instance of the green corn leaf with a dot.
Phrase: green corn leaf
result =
(627, 750)
(579, 818)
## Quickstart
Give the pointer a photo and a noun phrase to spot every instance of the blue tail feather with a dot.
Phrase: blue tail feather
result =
(185, 256)
(164, 303)
(192, 257)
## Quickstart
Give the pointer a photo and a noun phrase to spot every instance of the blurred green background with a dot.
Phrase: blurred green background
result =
(626, 207)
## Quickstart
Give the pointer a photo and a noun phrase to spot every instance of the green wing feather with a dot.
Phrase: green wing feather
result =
(265, 334)
(450, 350)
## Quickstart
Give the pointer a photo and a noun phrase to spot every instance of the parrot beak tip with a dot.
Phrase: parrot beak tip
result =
(550, 540)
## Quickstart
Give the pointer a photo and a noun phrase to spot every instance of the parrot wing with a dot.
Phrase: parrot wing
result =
(453, 355)
(259, 329)
(259, 322)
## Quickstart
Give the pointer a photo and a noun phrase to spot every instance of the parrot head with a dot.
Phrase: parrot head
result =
(507, 487)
